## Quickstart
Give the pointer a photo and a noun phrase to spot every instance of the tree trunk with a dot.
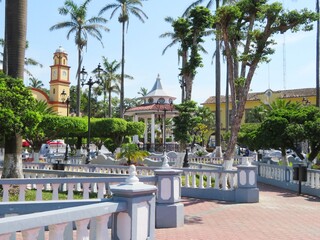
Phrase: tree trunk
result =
(15, 43)
(317, 58)
(78, 83)
(12, 165)
(110, 105)
(122, 74)
(218, 152)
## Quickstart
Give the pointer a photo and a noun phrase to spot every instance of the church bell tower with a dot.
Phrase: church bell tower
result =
(59, 81)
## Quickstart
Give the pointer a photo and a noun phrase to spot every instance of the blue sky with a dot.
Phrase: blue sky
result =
(144, 59)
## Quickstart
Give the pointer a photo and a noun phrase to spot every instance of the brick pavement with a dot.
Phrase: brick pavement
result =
(280, 215)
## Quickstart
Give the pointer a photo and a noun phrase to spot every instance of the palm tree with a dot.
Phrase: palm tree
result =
(81, 27)
(125, 7)
(35, 83)
(110, 79)
(42, 107)
(143, 91)
(15, 43)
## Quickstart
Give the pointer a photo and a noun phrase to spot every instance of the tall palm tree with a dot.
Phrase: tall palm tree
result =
(15, 43)
(110, 80)
(81, 26)
(125, 7)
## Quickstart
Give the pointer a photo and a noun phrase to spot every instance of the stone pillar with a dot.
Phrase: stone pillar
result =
(169, 209)
(138, 222)
(247, 191)
(135, 138)
(146, 133)
(152, 132)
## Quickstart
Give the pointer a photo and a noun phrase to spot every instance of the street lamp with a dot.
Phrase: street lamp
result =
(66, 100)
(162, 106)
(89, 83)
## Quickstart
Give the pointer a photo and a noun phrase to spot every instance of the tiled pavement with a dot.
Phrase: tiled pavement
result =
(280, 214)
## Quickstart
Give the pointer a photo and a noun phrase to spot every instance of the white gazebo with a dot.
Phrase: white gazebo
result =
(157, 103)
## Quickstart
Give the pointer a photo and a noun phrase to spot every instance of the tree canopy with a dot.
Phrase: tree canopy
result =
(247, 29)
(17, 115)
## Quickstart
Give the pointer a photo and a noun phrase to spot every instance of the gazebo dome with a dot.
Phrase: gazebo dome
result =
(157, 94)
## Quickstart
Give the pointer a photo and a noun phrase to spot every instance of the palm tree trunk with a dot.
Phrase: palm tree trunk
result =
(122, 74)
(16, 31)
(317, 59)
(110, 105)
(78, 83)
(218, 152)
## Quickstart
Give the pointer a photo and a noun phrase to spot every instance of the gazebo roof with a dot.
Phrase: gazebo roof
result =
(157, 100)
(157, 91)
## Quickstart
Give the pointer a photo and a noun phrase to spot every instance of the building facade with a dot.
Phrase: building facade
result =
(305, 96)
(59, 83)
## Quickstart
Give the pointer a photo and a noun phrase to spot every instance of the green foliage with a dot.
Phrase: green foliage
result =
(54, 126)
(247, 136)
(185, 122)
(17, 115)
(286, 127)
(115, 129)
(247, 29)
(132, 153)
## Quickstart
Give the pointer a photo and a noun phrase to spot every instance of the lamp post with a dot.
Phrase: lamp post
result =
(161, 105)
(89, 83)
(66, 100)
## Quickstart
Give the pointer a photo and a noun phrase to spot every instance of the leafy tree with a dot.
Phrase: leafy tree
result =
(186, 122)
(53, 126)
(246, 29)
(207, 123)
(115, 129)
(81, 26)
(189, 32)
(13, 65)
(126, 7)
(248, 136)
(256, 114)
(217, 75)
(17, 117)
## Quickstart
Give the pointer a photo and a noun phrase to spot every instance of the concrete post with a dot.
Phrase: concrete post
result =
(139, 220)
(169, 209)
(247, 191)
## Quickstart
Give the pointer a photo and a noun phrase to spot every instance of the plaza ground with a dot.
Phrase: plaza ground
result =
(280, 214)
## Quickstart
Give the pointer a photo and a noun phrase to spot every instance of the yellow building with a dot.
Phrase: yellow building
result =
(59, 82)
(303, 95)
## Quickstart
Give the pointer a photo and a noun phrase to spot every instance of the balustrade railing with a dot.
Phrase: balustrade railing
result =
(285, 174)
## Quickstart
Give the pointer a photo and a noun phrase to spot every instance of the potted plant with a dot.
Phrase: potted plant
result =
(132, 153)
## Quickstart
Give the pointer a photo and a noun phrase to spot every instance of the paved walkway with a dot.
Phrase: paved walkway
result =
(280, 214)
